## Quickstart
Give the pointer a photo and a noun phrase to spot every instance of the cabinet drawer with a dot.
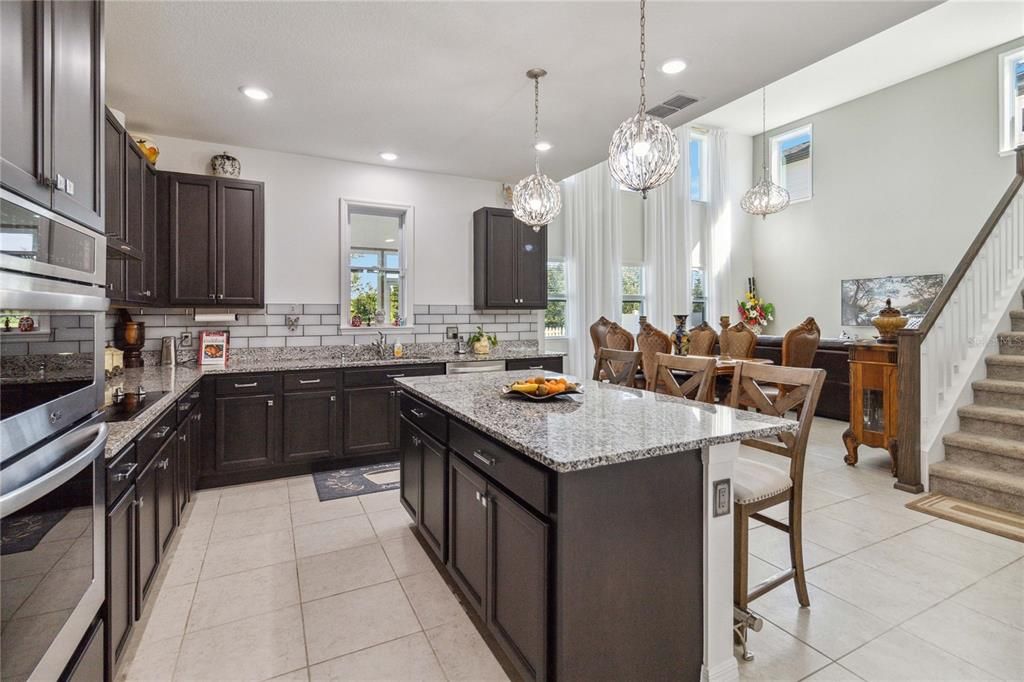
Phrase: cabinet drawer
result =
(549, 364)
(246, 383)
(187, 401)
(120, 472)
(427, 418)
(153, 438)
(385, 376)
(509, 469)
(299, 381)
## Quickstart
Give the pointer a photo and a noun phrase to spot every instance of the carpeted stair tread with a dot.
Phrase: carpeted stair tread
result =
(1003, 447)
(998, 481)
(1006, 415)
(999, 386)
(1012, 360)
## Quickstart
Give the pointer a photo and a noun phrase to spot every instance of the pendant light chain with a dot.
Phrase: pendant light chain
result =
(764, 128)
(536, 124)
(643, 57)
(536, 199)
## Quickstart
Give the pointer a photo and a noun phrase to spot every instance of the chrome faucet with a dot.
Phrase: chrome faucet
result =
(381, 346)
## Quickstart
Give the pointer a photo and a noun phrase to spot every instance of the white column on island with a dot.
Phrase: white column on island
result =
(719, 662)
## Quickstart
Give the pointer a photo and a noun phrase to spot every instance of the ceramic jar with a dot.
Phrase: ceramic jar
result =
(225, 165)
(680, 336)
(888, 322)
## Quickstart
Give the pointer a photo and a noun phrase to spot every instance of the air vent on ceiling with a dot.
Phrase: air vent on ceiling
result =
(672, 105)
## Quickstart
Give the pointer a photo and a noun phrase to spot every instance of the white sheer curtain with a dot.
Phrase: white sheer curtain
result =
(721, 296)
(592, 225)
(668, 241)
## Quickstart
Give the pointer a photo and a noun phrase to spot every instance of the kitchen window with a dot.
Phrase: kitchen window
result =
(633, 297)
(554, 314)
(791, 162)
(699, 296)
(1011, 100)
(698, 150)
(376, 243)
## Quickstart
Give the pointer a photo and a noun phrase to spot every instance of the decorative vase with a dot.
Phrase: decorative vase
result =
(26, 324)
(680, 337)
(380, 318)
(756, 328)
(482, 347)
(148, 148)
(226, 166)
(724, 321)
(888, 322)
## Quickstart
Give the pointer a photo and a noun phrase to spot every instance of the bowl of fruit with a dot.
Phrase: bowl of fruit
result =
(540, 388)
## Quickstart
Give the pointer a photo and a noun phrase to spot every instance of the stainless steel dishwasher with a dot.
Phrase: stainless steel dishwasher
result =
(471, 366)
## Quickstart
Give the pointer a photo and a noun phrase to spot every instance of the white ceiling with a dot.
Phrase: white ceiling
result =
(443, 83)
(945, 34)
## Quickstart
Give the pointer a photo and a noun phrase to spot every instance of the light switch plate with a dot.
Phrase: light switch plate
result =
(451, 333)
(722, 497)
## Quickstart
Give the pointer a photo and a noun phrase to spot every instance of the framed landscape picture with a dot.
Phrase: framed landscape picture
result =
(912, 294)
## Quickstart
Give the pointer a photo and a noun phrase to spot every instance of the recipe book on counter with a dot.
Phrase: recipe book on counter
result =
(213, 348)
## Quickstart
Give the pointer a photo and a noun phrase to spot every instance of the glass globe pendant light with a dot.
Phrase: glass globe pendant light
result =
(643, 152)
(536, 199)
(765, 197)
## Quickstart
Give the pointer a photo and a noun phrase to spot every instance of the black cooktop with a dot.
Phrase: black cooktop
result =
(130, 406)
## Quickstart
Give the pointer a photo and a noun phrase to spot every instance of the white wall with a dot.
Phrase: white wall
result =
(302, 212)
(903, 180)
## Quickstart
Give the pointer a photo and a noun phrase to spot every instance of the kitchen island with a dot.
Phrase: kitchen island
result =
(581, 530)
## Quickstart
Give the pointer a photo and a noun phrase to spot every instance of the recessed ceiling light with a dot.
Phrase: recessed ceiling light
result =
(542, 146)
(673, 66)
(389, 156)
(253, 92)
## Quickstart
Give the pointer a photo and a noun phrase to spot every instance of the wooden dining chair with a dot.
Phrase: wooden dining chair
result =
(737, 342)
(703, 339)
(698, 385)
(799, 346)
(758, 486)
(650, 342)
(618, 337)
(598, 331)
(616, 366)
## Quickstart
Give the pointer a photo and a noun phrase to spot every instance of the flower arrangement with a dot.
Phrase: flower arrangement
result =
(754, 311)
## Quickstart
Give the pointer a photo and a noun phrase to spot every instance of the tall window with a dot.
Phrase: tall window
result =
(791, 162)
(699, 294)
(633, 301)
(698, 149)
(1011, 99)
(554, 315)
(374, 245)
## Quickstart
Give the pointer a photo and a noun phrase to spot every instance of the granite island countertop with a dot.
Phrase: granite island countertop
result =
(605, 425)
(178, 380)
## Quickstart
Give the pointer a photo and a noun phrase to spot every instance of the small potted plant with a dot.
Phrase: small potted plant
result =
(482, 342)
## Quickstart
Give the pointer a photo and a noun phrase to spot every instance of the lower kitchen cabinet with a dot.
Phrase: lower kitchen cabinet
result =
(120, 575)
(410, 463)
(166, 484)
(196, 441)
(467, 537)
(424, 473)
(371, 419)
(246, 431)
(147, 534)
(183, 465)
(310, 425)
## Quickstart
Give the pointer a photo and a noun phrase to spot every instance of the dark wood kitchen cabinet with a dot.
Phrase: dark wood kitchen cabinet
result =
(183, 460)
(147, 534)
(371, 419)
(467, 536)
(215, 231)
(120, 604)
(166, 484)
(196, 452)
(410, 464)
(309, 425)
(51, 142)
(433, 485)
(113, 188)
(509, 262)
(247, 427)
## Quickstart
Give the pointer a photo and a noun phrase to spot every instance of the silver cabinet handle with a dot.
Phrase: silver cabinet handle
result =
(419, 414)
(125, 247)
(536, 367)
(140, 502)
(483, 500)
(416, 441)
(194, 395)
(147, 292)
(489, 461)
(161, 432)
(220, 295)
(334, 398)
(164, 464)
(251, 385)
(309, 381)
(395, 376)
(477, 494)
(183, 407)
(213, 296)
(182, 438)
(270, 403)
(123, 475)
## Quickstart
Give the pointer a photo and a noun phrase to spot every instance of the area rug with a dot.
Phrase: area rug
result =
(22, 533)
(373, 478)
(978, 516)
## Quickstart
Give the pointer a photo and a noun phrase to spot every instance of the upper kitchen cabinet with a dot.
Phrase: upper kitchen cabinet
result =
(509, 261)
(215, 230)
(52, 106)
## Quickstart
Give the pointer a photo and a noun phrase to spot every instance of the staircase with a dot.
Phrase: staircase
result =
(985, 458)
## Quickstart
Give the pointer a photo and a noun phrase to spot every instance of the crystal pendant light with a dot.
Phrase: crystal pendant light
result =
(765, 197)
(643, 152)
(536, 199)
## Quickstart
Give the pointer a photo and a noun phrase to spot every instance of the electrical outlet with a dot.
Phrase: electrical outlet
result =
(451, 333)
(723, 497)
(186, 339)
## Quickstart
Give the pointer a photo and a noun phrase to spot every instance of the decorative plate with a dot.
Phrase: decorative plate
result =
(509, 393)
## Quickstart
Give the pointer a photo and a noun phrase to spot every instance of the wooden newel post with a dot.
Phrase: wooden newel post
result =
(908, 435)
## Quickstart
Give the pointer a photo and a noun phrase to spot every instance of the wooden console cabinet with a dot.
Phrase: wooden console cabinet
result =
(874, 399)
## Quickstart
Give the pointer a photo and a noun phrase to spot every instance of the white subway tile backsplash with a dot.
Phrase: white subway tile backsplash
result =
(417, 309)
(267, 342)
(52, 347)
(427, 319)
(327, 319)
(320, 330)
(481, 319)
(245, 332)
(72, 334)
(284, 331)
(464, 309)
(14, 348)
(63, 321)
(456, 319)
(303, 341)
(237, 342)
(442, 309)
(519, 327)
(494, 327)
(320, 309)
(284, 308)
(430, 338)
(506, 318)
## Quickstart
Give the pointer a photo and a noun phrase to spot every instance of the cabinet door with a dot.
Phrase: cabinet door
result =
(147, 534)
(239, 242)
(166, 475)
(184, 464)
(410, 463)
(467, 536)
(120, 575)
(531, 266)
(246, 433)
(77, 111)
(150, 243)
(24, 88)
(432, 495)
(134, 220)
(191, 203)
(113, 191)
(517, 568)
(196, 451)
(501, 254)
(370, 419)
(309, 425)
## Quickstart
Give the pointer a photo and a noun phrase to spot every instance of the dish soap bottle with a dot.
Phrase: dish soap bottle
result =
(398, 350)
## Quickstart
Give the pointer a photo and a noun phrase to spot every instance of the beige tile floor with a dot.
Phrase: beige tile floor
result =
(266, 582)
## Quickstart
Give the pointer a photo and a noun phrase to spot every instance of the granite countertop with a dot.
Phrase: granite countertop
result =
(605, 425)
(178, 380)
